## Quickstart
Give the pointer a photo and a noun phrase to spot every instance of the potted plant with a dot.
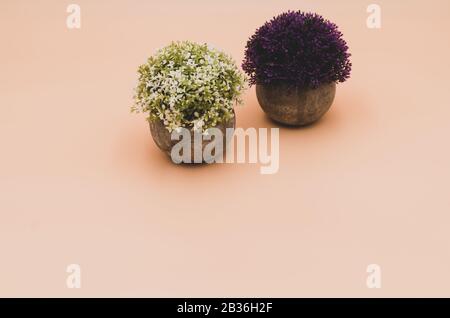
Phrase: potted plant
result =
(295, 61)
(188, 85)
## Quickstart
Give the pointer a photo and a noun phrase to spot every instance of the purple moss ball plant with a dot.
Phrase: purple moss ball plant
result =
(295, 60)
(297, 48)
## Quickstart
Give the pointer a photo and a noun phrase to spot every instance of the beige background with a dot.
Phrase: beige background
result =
(82, 182)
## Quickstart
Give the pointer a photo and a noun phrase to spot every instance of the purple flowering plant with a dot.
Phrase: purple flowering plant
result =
(298, 48)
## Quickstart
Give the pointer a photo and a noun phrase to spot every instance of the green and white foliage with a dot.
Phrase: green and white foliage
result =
(189, 85)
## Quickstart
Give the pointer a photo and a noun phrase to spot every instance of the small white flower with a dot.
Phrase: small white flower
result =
(198, 124)
(190, 62)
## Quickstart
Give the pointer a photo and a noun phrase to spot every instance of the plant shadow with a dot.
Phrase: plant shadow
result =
(345, 110)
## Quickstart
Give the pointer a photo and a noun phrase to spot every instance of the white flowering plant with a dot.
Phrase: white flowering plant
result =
(189, 85)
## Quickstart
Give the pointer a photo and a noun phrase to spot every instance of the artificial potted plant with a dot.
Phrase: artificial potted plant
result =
(295, 61)
(188, 85)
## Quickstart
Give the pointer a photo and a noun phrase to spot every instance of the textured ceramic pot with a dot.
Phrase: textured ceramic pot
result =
(162, 137)
(296, 106)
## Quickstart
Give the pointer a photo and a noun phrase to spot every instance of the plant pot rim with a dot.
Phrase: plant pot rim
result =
(290, 84)
(223, 121)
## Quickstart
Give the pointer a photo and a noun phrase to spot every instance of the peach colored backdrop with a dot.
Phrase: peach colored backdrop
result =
(82, 182)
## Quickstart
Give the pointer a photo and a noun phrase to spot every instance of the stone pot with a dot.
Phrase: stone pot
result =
(295, 106)
(162, 137)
